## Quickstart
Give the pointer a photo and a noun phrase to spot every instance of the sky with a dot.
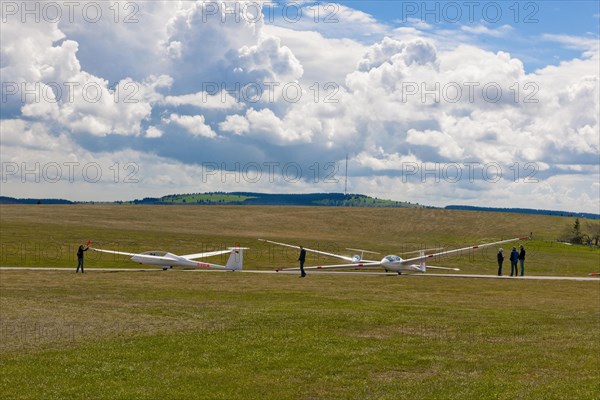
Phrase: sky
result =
(470, 102)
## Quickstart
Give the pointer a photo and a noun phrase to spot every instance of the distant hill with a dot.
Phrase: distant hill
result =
(250, 198)
(526, 211)
(310, 199)
(12, 200)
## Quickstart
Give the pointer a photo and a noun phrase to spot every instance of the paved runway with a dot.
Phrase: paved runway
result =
(529, 277)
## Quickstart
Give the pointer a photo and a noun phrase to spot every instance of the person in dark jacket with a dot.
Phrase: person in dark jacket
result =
(514, 259)
(522, 260)
(80, 251)
(500, 261)
(302, 258)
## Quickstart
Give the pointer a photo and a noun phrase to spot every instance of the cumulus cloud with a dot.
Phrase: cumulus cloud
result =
(173, 96)
(47, 77)
(153, 132)
(268, 61)
(237, 124)
(317, 53)
(442, 141)
(418, 51)
(194, 124)
(265, 125)
(206, 99)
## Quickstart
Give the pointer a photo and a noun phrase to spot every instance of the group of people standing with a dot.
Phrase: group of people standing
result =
(516, 257)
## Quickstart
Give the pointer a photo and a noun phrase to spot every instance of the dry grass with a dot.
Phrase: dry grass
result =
(387, 226)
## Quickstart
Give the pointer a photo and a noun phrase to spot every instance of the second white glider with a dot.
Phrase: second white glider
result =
(392, 262)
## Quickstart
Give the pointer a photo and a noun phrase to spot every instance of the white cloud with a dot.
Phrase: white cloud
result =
(378, 160)
(237, 124)
(153, 132)
(418, 51)
(270, 61)
(206, 100)
(18, 133)
(194, 124)
(61, 91)
(418, 23)
(502, 31)
(589, 45)
(317, 54)
(334, 20)
(443, 142)
(264, 123)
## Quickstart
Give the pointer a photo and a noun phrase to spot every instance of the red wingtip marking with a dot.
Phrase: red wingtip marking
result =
(318, 267)
(475, 247)
(431, 255)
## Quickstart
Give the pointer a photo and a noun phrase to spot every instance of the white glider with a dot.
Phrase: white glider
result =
(391, 262)
(168, 260)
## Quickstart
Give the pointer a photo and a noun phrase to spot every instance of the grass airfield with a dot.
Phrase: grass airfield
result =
(178, 334)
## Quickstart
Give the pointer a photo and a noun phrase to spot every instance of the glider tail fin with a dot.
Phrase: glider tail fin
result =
(422, 266)
(236, 258)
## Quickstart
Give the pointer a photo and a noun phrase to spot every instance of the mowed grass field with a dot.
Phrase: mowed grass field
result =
(182, 334)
